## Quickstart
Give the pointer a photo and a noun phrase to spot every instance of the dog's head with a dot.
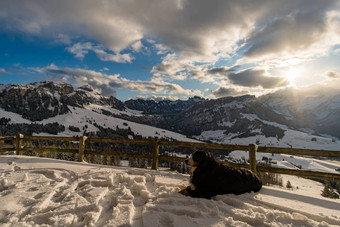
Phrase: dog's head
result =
(199, 157)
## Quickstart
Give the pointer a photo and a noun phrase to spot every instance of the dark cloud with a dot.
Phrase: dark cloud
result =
(257, 78)
(163, 68)
(189, 31)
(107, 84)
(222, 70)
(333, 75)
(291, 32)
(192, 28)
(228, 91)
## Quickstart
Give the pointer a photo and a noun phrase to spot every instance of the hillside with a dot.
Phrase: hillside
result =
(45, 192)
(276, 119)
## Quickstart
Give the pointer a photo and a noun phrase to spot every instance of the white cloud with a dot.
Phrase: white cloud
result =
(108, 84)
(62, 38)
(161, 48)
(293, 38)
(81, 49)
(194, 34)
(195, 29)
(158, 98)
(137, 46)
(120, 58)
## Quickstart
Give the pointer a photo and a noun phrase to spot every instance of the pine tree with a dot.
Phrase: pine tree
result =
(289, 185)
(329, 192)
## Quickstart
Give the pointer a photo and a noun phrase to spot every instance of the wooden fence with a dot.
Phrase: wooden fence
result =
(156, 143)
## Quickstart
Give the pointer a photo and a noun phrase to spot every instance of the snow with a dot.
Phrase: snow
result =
(98, 108)
(79, 117)
(253, 117)
(4, 87)
(14, 117)
(290, 161)
(46, 192)
(291, 138)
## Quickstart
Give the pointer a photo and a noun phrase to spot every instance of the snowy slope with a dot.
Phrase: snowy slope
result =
(46, 192)
(79, 117)
(291, 138)
(290, 161)
(14, 117)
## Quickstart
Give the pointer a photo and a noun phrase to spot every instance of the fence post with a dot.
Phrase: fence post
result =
(81, 156)
(155, 153)
(252, 157)
(19, 143)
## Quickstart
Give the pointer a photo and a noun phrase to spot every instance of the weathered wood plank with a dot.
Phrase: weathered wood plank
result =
(123, 141)
(81, 148)
(298, 151)
(300, 173)
(54, 138)
(171, 158)
(119, 154)
(291, 151)
(155, 154)
(7, 149)
(50, 149)
(204, 145)
(7, 138)
(252, 157)
(19, 144)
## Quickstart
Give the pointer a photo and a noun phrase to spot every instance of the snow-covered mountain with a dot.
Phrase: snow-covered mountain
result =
(42, 100)
(163, 106)
(296, 118)
(316, 108)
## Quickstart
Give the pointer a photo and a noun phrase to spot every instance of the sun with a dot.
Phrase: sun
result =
(292, 73)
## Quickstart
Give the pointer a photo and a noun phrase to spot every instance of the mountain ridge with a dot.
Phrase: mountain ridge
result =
(270, 116)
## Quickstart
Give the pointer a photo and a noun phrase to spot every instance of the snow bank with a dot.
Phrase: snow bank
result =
(46, 192)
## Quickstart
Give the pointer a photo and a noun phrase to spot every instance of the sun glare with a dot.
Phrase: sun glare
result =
(293, 73)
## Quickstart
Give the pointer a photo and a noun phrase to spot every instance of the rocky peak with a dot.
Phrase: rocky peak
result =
(41, 100)
(163, 106)
(86, 88)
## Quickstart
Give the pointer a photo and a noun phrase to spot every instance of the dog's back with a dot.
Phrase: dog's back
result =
(211, 178)
(227, 179)
(241, 180)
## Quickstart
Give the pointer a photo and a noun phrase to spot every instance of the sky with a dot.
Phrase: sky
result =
(171, 49)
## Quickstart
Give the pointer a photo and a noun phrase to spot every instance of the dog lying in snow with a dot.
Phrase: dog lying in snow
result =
(210, 178)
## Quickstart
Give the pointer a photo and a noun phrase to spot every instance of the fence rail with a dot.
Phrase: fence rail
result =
(156, 143)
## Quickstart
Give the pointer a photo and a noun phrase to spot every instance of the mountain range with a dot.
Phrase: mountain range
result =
(291, 117)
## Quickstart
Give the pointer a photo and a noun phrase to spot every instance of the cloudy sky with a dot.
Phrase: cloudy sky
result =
(171, 48)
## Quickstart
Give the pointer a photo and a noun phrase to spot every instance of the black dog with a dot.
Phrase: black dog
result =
(210, 178)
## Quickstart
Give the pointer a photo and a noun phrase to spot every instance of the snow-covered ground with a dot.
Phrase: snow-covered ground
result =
(46, 192)
(292, 138)
(290, 161)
